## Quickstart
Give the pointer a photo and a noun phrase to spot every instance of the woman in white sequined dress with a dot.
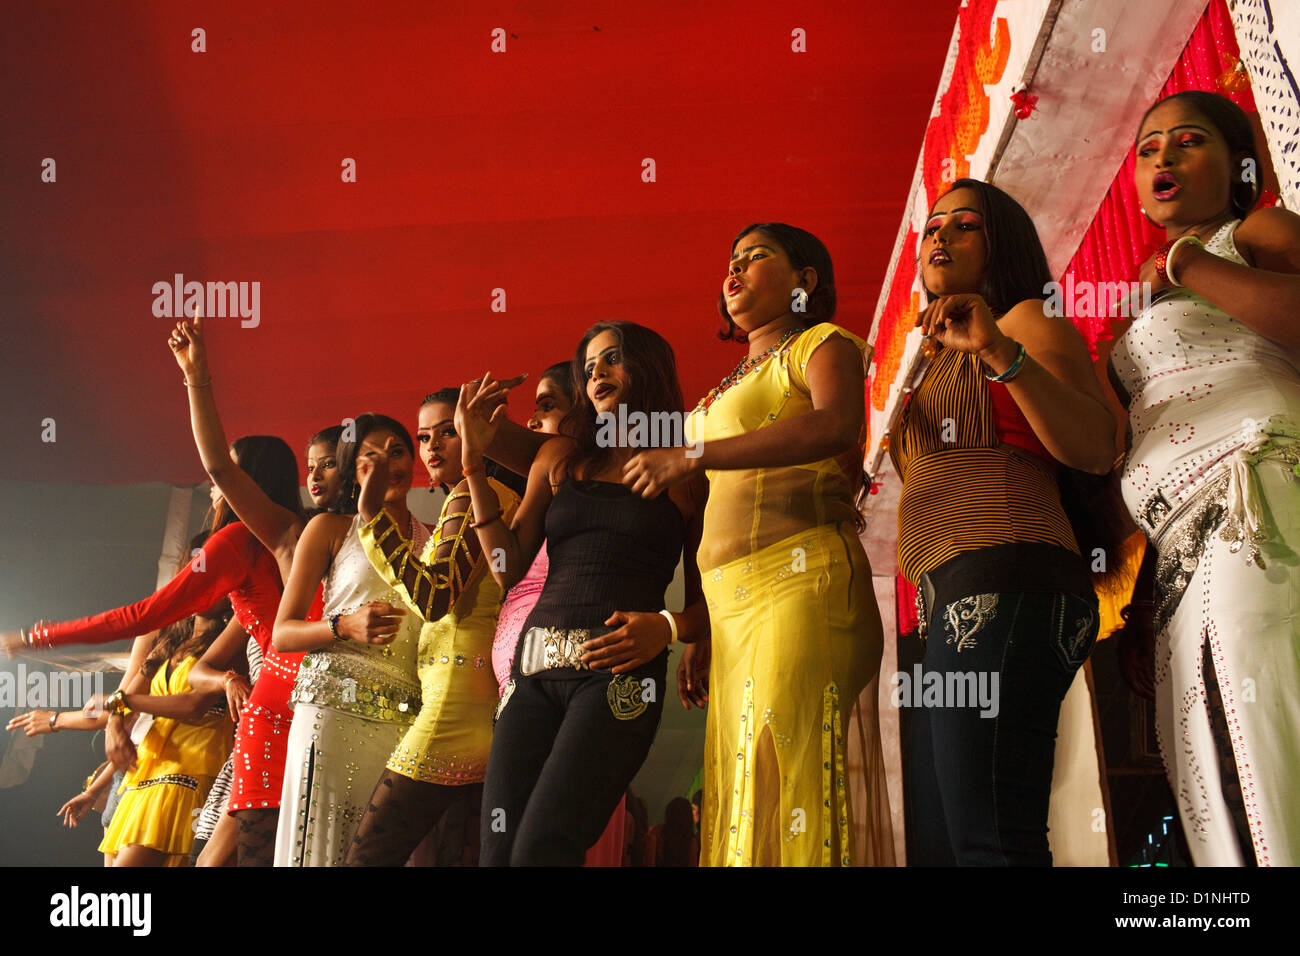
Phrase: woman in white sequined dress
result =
(357, 690)
(1209, 372)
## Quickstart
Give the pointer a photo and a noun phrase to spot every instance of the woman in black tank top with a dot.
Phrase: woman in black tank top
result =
(587, 685)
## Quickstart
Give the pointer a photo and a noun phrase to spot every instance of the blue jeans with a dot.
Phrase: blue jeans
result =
(982, 768)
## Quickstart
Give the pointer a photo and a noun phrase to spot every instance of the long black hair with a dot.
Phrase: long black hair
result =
(1238, 133)
(652, 387)
(803, 249)
(362, 426)
(271, 463)
(1016, 271)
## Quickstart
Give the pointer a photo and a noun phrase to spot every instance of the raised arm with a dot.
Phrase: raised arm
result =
(511, 546)
(275, 526)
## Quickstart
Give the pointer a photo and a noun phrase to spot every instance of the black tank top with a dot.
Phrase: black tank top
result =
(610, 550)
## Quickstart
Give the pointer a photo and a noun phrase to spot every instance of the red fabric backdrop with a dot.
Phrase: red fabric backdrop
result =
(476, 171)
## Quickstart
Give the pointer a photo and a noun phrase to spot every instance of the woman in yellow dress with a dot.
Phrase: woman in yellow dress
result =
(796, 634)
(443, 756)
(180, 755)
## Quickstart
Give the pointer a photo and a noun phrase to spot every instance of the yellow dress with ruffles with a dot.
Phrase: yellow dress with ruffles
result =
(793, 770)
(449, 741)
(175, 766)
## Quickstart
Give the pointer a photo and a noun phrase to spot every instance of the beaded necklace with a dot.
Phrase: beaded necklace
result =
(746, 366)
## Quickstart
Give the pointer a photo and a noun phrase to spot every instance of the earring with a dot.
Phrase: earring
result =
(800, 300)
(1149, 219)
(1254, 197)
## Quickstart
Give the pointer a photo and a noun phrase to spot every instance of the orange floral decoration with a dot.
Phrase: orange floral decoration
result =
(950, 139)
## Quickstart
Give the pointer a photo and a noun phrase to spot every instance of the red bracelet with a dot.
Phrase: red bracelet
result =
(466, 472)
(1162, 260)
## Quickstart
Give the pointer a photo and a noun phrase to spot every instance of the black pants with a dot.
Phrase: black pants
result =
(982, 766)
(561, 760)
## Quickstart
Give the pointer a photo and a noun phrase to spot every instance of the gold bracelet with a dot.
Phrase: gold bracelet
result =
(189, 384)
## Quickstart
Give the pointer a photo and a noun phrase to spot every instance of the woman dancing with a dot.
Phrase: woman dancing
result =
(357, 691)
(262, 708)
(448, 590)
(1209, 375)
(181, 753)
(1009, 400)
(586, 691)
(796, 634)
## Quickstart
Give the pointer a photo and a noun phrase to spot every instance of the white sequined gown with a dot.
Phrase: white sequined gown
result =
(352, 703)
(1214, 420)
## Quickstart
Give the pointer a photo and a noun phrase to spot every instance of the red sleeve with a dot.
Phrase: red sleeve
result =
(225, 565)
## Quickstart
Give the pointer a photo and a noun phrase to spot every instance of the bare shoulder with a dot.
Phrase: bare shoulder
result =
(326, 529)
(552, 452)
(1032, 322)
(1270, 239)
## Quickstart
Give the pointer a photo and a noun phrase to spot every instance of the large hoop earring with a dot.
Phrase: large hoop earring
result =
(1254, 197)
(1149, 219)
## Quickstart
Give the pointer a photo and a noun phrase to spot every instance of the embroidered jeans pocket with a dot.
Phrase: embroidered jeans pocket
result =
(1074, 630)
(964, 619)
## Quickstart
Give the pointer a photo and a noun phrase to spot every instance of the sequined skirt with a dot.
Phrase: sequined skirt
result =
(261, 746)
(793, 768)
(450, 739)
(334, 759)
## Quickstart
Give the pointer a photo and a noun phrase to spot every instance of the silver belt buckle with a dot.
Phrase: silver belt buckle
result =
(546, 648)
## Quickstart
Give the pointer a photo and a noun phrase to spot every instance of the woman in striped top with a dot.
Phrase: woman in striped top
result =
(1009, 398)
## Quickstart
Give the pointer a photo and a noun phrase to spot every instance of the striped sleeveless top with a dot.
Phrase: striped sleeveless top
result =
(962, 489)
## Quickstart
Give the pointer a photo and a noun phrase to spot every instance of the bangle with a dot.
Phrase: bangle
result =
(116, 704)
(54, 722)
(672, 624)
(334, 626)
(486, 521)
(1013, 371)
(189, 384)
(1174, 247)
(1161, 261)
(38, 635)
(230, 675)
(472, 469)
